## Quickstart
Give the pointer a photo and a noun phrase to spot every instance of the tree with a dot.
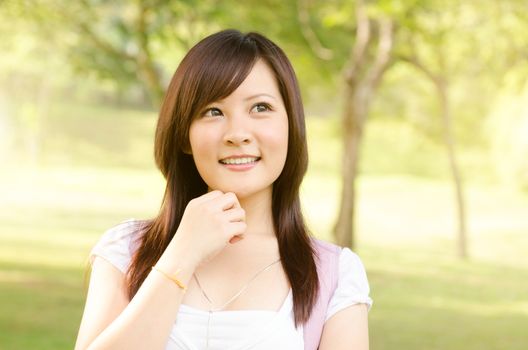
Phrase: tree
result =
(440, 41)
(369, 57)
(433, 42)
(124, 41)
(437, 38)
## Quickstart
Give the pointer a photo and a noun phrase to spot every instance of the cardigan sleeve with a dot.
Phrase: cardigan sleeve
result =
(352, 284)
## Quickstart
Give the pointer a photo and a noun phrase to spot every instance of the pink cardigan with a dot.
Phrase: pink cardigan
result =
(327, 269)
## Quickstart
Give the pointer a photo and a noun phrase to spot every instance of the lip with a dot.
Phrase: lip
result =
(240, 167)
(240, 156)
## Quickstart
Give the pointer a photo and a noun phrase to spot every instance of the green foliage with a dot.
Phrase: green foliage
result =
(95, 42)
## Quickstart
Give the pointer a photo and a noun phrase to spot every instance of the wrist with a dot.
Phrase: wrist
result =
(177, 259)
(182, 270)
(175, 278)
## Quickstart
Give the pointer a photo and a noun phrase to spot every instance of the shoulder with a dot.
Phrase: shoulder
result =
(343, 269)
(324, 248)
(338, 260)
(121, 230)
(350, 260)
(118, 243)
(344, 255)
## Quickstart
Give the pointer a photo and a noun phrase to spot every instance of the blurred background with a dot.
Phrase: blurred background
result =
(417, 117)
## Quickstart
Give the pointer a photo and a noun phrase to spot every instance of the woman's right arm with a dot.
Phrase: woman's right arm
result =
(110, 321)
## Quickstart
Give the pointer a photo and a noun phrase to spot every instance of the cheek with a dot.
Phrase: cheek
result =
(277, 139)
(202, 142)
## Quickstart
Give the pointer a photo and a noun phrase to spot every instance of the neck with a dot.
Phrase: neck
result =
(259, 219)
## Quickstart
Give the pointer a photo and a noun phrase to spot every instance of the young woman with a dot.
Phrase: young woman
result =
(228, 263)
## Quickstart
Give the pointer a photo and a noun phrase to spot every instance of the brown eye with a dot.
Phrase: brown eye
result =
(212, 112)
(261, 107)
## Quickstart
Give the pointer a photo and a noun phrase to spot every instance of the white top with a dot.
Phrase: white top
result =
(242, 329)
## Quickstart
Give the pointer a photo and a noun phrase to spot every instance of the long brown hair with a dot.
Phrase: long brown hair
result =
(210, 71)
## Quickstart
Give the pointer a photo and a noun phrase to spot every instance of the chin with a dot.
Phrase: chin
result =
(241, 192)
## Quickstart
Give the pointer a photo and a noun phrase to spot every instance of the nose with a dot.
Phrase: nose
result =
(237, 132)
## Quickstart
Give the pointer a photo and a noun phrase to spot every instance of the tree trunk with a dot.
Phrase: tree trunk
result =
(353, 119)
(367, 64)
(368, 60)
(441, 87)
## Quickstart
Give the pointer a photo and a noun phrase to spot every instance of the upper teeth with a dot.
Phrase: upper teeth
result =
(239, 160)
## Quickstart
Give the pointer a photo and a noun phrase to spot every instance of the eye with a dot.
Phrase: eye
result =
(212, 112)
(261, 107)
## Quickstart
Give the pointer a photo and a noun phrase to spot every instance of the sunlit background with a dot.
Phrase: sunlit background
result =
(80, 86)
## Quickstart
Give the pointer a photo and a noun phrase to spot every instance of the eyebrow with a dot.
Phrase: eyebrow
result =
(259, 95)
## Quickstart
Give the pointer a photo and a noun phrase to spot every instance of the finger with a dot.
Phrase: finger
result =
(208, 196)
(236, 238)
(238, 228)
(235, 214)
(227, 201)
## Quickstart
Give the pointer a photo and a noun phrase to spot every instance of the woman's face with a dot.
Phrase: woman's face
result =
(239, 144)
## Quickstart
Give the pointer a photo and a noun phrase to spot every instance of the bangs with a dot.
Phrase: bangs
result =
(223, 66)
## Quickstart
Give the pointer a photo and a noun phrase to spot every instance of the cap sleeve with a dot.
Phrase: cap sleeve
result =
(116, 244)
(352, 284)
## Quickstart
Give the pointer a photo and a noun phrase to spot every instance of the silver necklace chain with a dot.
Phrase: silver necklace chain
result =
(211, 309)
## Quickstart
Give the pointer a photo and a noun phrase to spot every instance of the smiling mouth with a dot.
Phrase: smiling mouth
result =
(239, 161)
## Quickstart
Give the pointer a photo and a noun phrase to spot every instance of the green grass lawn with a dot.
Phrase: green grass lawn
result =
(424, 297)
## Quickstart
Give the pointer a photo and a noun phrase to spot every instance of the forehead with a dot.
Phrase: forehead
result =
(260, 80)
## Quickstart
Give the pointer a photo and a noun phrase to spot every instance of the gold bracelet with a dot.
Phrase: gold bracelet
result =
(172, 278)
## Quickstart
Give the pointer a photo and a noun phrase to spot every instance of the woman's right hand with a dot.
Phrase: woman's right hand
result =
(209, 223)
